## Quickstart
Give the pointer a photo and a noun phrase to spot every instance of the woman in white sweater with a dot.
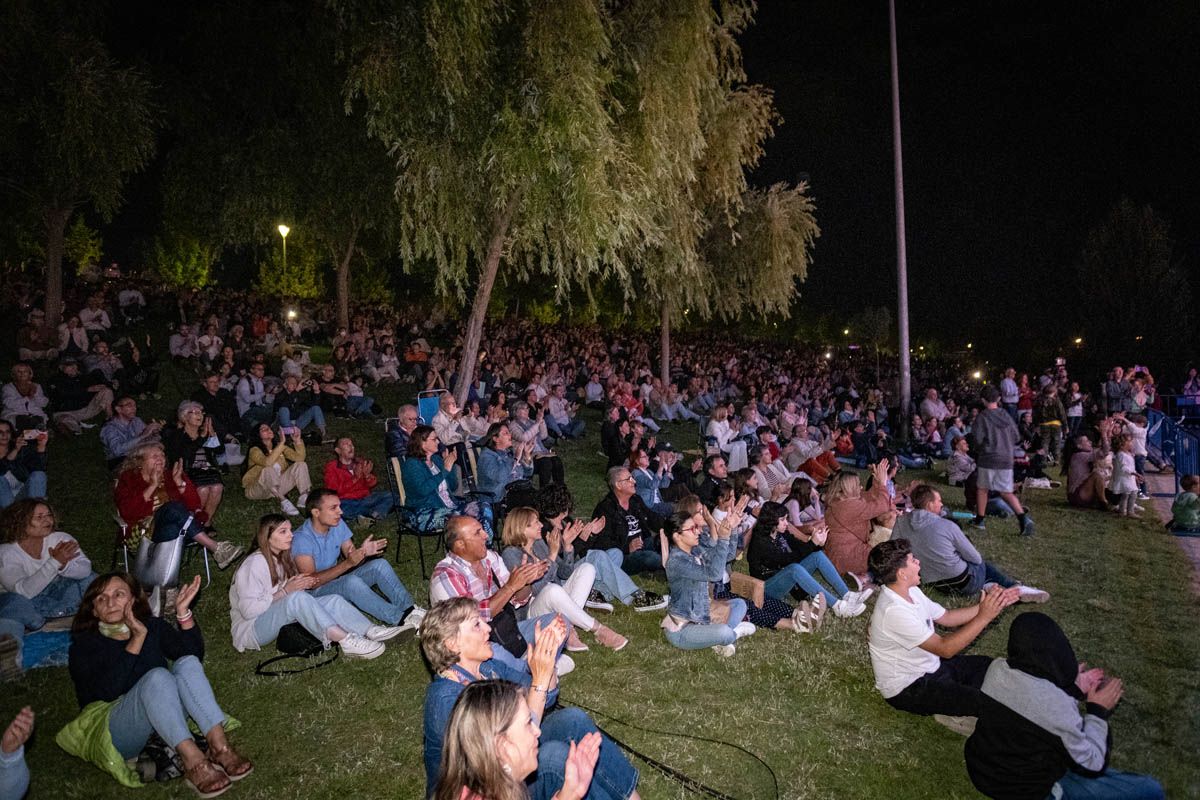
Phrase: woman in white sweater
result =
(44, 569)
(268, 592)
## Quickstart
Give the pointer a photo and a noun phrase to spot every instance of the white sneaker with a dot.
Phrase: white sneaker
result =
(964, 726)
(1029, 594)
(845, 608)
(382, 633)
(288, 508)
(565, 665)
(859, 597)
(355, 646)
(414, 618)
(744, 629)
(302, 500)
(724, 650)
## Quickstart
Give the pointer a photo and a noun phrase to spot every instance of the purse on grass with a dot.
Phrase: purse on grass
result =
(295, 642)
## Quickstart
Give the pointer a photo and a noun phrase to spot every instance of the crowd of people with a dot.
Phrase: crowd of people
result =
(768, 475)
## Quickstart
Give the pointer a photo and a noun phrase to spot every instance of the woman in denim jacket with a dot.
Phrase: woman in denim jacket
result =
(691, 566)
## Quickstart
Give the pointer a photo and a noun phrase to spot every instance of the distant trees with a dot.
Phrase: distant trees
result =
(74, 123)
(1137, 299)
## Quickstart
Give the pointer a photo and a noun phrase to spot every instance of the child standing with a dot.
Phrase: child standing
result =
(1124, 478)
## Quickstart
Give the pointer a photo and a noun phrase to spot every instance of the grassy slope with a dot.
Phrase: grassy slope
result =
(805, 705)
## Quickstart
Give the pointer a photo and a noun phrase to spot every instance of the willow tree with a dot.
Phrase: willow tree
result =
(545, 135)
(718, 248)
(74, 123)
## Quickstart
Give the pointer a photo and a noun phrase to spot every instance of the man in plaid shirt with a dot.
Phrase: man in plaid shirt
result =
(470, 569)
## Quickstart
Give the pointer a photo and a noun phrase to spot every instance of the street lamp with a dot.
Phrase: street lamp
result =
(284, 230)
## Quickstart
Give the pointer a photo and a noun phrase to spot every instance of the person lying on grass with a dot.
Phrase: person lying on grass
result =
(917, 669)
(456, 642)
(269, 591)
(150, 673)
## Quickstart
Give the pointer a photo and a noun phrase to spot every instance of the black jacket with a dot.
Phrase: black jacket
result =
(616, 525)
(103, 670)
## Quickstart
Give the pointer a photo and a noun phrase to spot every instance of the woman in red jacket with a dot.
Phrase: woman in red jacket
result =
(154, 504)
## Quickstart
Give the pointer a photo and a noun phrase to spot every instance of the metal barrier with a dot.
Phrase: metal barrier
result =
(1178, 443)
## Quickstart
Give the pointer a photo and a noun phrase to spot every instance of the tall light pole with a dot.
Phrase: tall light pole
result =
(284, 230)
(901, 254)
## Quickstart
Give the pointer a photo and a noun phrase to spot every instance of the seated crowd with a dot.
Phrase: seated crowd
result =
(524, 583)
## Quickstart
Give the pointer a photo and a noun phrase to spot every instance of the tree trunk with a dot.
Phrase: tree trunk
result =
(487, 279)
(56, 232)
(343, 282)
(664, 341)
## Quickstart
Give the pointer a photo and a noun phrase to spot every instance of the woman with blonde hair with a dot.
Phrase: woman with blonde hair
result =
(565, 587)
(492, 745)
(268, 592)
(733, 447)
(454, 638)
(849, 512)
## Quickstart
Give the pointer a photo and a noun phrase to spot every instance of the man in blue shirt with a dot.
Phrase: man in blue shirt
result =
(324, 538)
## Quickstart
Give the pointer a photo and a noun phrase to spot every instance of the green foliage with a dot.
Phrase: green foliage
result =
(1138, 299)
(75, 122)
(873, 327)
(299, 278)
(183, 262)
(82, 245)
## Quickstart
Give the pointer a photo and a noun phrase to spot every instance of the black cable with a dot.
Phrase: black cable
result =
(261, 669)
(671, 772)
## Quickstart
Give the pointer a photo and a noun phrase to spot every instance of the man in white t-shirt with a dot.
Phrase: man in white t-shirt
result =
(917, 669)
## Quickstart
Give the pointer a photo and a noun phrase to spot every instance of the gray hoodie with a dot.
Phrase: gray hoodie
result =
(938, 544)
(994, 437)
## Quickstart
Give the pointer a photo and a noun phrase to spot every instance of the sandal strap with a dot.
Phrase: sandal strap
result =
(206, 777)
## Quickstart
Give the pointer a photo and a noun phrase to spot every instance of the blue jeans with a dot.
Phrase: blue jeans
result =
(313, 416)
(376, 504)
(614, 779)
(358, 585)
(644, 560)
(359, 406)
(315, 615)
(985, 573)
(697, 637)
(14, 773)
(161, 702)
(60, 598)
(34, 486)
(13, 628)
(611, 580)
(800, 574)
(572, 428)
(1112, 784)
(1011, 408)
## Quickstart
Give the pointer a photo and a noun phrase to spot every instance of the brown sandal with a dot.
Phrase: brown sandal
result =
(233, 763)
(206, 779)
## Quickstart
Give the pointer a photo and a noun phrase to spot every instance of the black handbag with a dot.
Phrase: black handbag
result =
(295, 642)
(505, 631)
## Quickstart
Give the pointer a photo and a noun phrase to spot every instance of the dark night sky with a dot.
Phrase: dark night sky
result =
(1023, 123)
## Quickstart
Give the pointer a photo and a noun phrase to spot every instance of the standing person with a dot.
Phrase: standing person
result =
(994, 435)
(1033, 741)
(268, 592)
(1117, 394)
(1050, 417)
(149, 674)
(323, 547)
(1073, 400)
(1010, 394)
(1124, 476)
(917, 669)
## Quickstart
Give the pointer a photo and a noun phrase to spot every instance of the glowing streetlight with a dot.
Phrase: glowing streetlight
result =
(1078, 340)
(969, 345)
(845, 331)
(828, 355)
(976, 374)
(284, 230)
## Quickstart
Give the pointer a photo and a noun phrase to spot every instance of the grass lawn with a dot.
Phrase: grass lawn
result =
(805, 704)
